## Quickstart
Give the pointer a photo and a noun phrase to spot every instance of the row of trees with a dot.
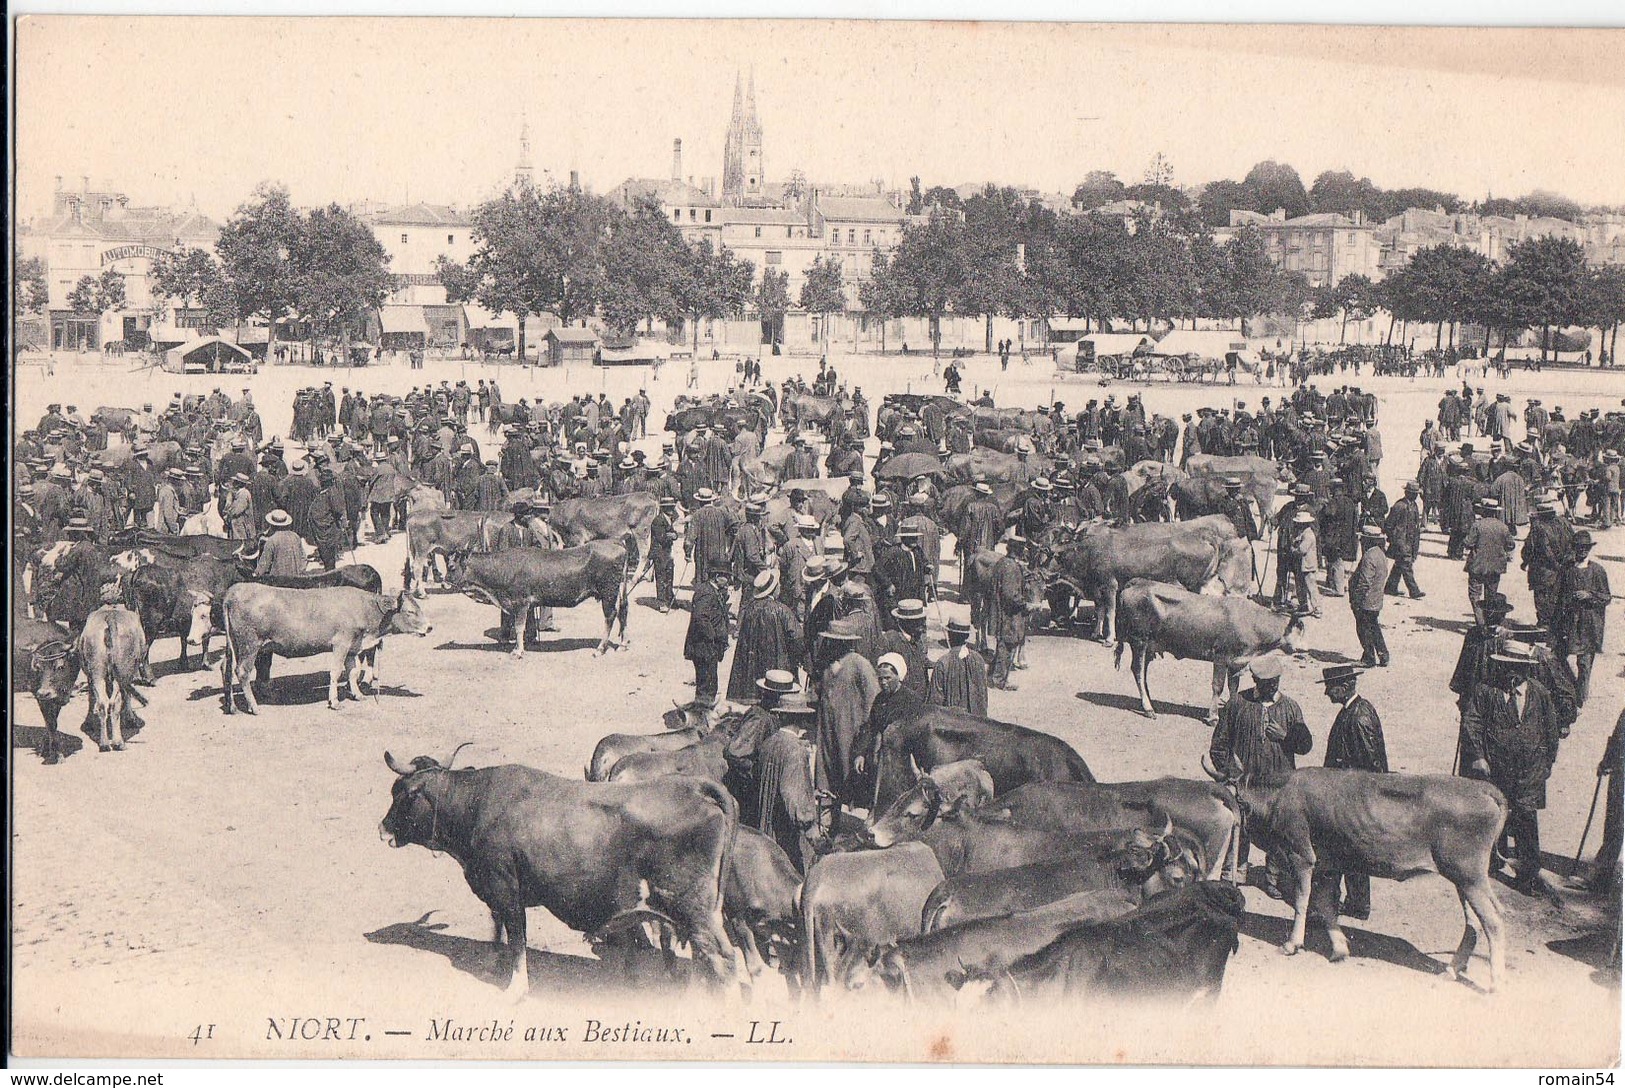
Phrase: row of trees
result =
(1270, 185)
(1001, 255)
(1544, 283)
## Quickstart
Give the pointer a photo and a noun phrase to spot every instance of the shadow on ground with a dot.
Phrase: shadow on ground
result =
(622, 969)
(302, 689)
(551, 646)
(1131, 703)
(32, 737)
(1363, 944)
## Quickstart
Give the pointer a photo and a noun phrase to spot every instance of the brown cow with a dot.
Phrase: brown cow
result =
(261, 620)
(112, 647)
(1229, 631)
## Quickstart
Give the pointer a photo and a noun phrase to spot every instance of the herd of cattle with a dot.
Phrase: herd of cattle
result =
(992, 861)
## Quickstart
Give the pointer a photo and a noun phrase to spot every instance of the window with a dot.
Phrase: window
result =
(677, 213)
(852, 236)
(403, 239)
(693, 214)
(789, 232)
(866, 239)
(758, 232)
(708, 215)
(451, 239)
(775, 256)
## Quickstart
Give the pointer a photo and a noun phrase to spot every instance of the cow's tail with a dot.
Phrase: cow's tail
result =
(406, 573)
(228, 660)
(1117, 654)
(629, 567)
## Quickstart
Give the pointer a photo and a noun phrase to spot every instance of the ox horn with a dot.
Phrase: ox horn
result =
(1168, 828)
(454, 752)
(1207, 765)
(389, 761)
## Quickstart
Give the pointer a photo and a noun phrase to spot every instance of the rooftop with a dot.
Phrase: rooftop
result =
(665, 190)
(418, 215)
(863, 209)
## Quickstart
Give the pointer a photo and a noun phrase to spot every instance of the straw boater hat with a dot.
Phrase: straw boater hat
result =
(806, 524)
(1043, 484)
(1372, 532)
(278, 519)
(840, 631)
(1304, 517)
(794, 704)
(909, 610)
(766, 583)
(705, 496)
(815, 569)
(778, 682)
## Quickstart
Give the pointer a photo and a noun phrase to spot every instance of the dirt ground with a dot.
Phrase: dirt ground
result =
(228, 871)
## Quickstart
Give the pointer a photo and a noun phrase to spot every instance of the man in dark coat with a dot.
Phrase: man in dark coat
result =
(662, 535)
(706, 642)
(1580, 615)
(1007, 612)
(1354, 743)
(80, 574)
(848, 687)
(1403, 527)
(1489, 546)
(769, 638)
(1339, 537)
(710, 536)
(298, 492)
(1546, 555)
(770, 755)
(959, 677)
(329, 519)
(1510, 734)
(1456, 512)
(143, 487)
(1261, 733)
(907, 640)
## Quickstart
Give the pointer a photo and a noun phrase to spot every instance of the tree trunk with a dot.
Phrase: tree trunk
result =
(1390, 339)
(987, 334)
(1438, 336)
(521, 339)
(1342, 333)
(1545, 339)
(936, 335)
(696, 320)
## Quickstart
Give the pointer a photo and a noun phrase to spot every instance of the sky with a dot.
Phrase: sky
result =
(182, 110)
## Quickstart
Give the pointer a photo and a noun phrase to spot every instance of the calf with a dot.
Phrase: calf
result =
(44, 661)
(112, 647)
(761, 900)
(854, 902)
(1388, 825)
(1124, 866)
(1013, 755)
(342, 622)
(702, 759)
(617, 746)
(1175, 946)
(519, 579)
(1157, 617)
(965, 842)
(934, 965)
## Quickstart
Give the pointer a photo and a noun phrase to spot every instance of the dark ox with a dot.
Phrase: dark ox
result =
(967, 842)
(935, 965)
(162, 546)
(991, 600)
(44, 662)
(345, 623)
(998, 467)
(178, 596)
(1203, 811)
(1103, 559)
(1175, 946)
(1012, 754)
(761, 902)
(591, 853)
(1389, 825)
(1159, 618)
(1123, 867)
(855, 902)
(519, 579)
(112, 648)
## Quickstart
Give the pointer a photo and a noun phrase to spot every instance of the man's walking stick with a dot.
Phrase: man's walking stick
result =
(1595, 794)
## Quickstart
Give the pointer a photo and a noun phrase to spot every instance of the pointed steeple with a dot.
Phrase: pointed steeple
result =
(523, 173)
(739, 103)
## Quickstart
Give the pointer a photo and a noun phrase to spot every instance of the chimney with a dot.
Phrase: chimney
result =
(59, 183)
(677, 160)
(85, 183)
(575, 179)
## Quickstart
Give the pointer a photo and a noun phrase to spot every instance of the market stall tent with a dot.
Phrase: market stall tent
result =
(210, 355)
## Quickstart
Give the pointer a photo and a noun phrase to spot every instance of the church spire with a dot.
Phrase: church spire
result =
(523, 174)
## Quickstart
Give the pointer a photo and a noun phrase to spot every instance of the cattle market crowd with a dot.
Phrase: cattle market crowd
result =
(861, 584)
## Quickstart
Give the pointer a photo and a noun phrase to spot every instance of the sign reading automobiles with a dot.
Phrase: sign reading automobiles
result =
(120, 253)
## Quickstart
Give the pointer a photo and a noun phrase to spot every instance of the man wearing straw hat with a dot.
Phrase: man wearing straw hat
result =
(282, 552)
(769, 638)
(1510, 734)
(907, 640)
(1366, 596)
(771, 756)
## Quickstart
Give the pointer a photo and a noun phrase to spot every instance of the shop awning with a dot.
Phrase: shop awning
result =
(402, 319)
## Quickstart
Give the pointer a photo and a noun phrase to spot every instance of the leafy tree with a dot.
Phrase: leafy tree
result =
(1546, 283)
(823, 292)
(1097, 188)
(1535, 205)
(1339, 192)
(942, 196)
(1606, 306)
(1398, 200)
(990, 277)
(1273, 185)
(925, 274)
(713, 285)
(1095, 253)
(340, 272)
(1220, 198)
(184, 274)
(1354, 297)
(1250, 284)
(916, 199)
(573, 230)
(772, 301)
(254, 248)
(1161, 278)
(643, 260)
(1160, 173)
(93, 296)
(30, 291)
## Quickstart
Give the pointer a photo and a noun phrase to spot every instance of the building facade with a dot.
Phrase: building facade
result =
(1325, 247)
